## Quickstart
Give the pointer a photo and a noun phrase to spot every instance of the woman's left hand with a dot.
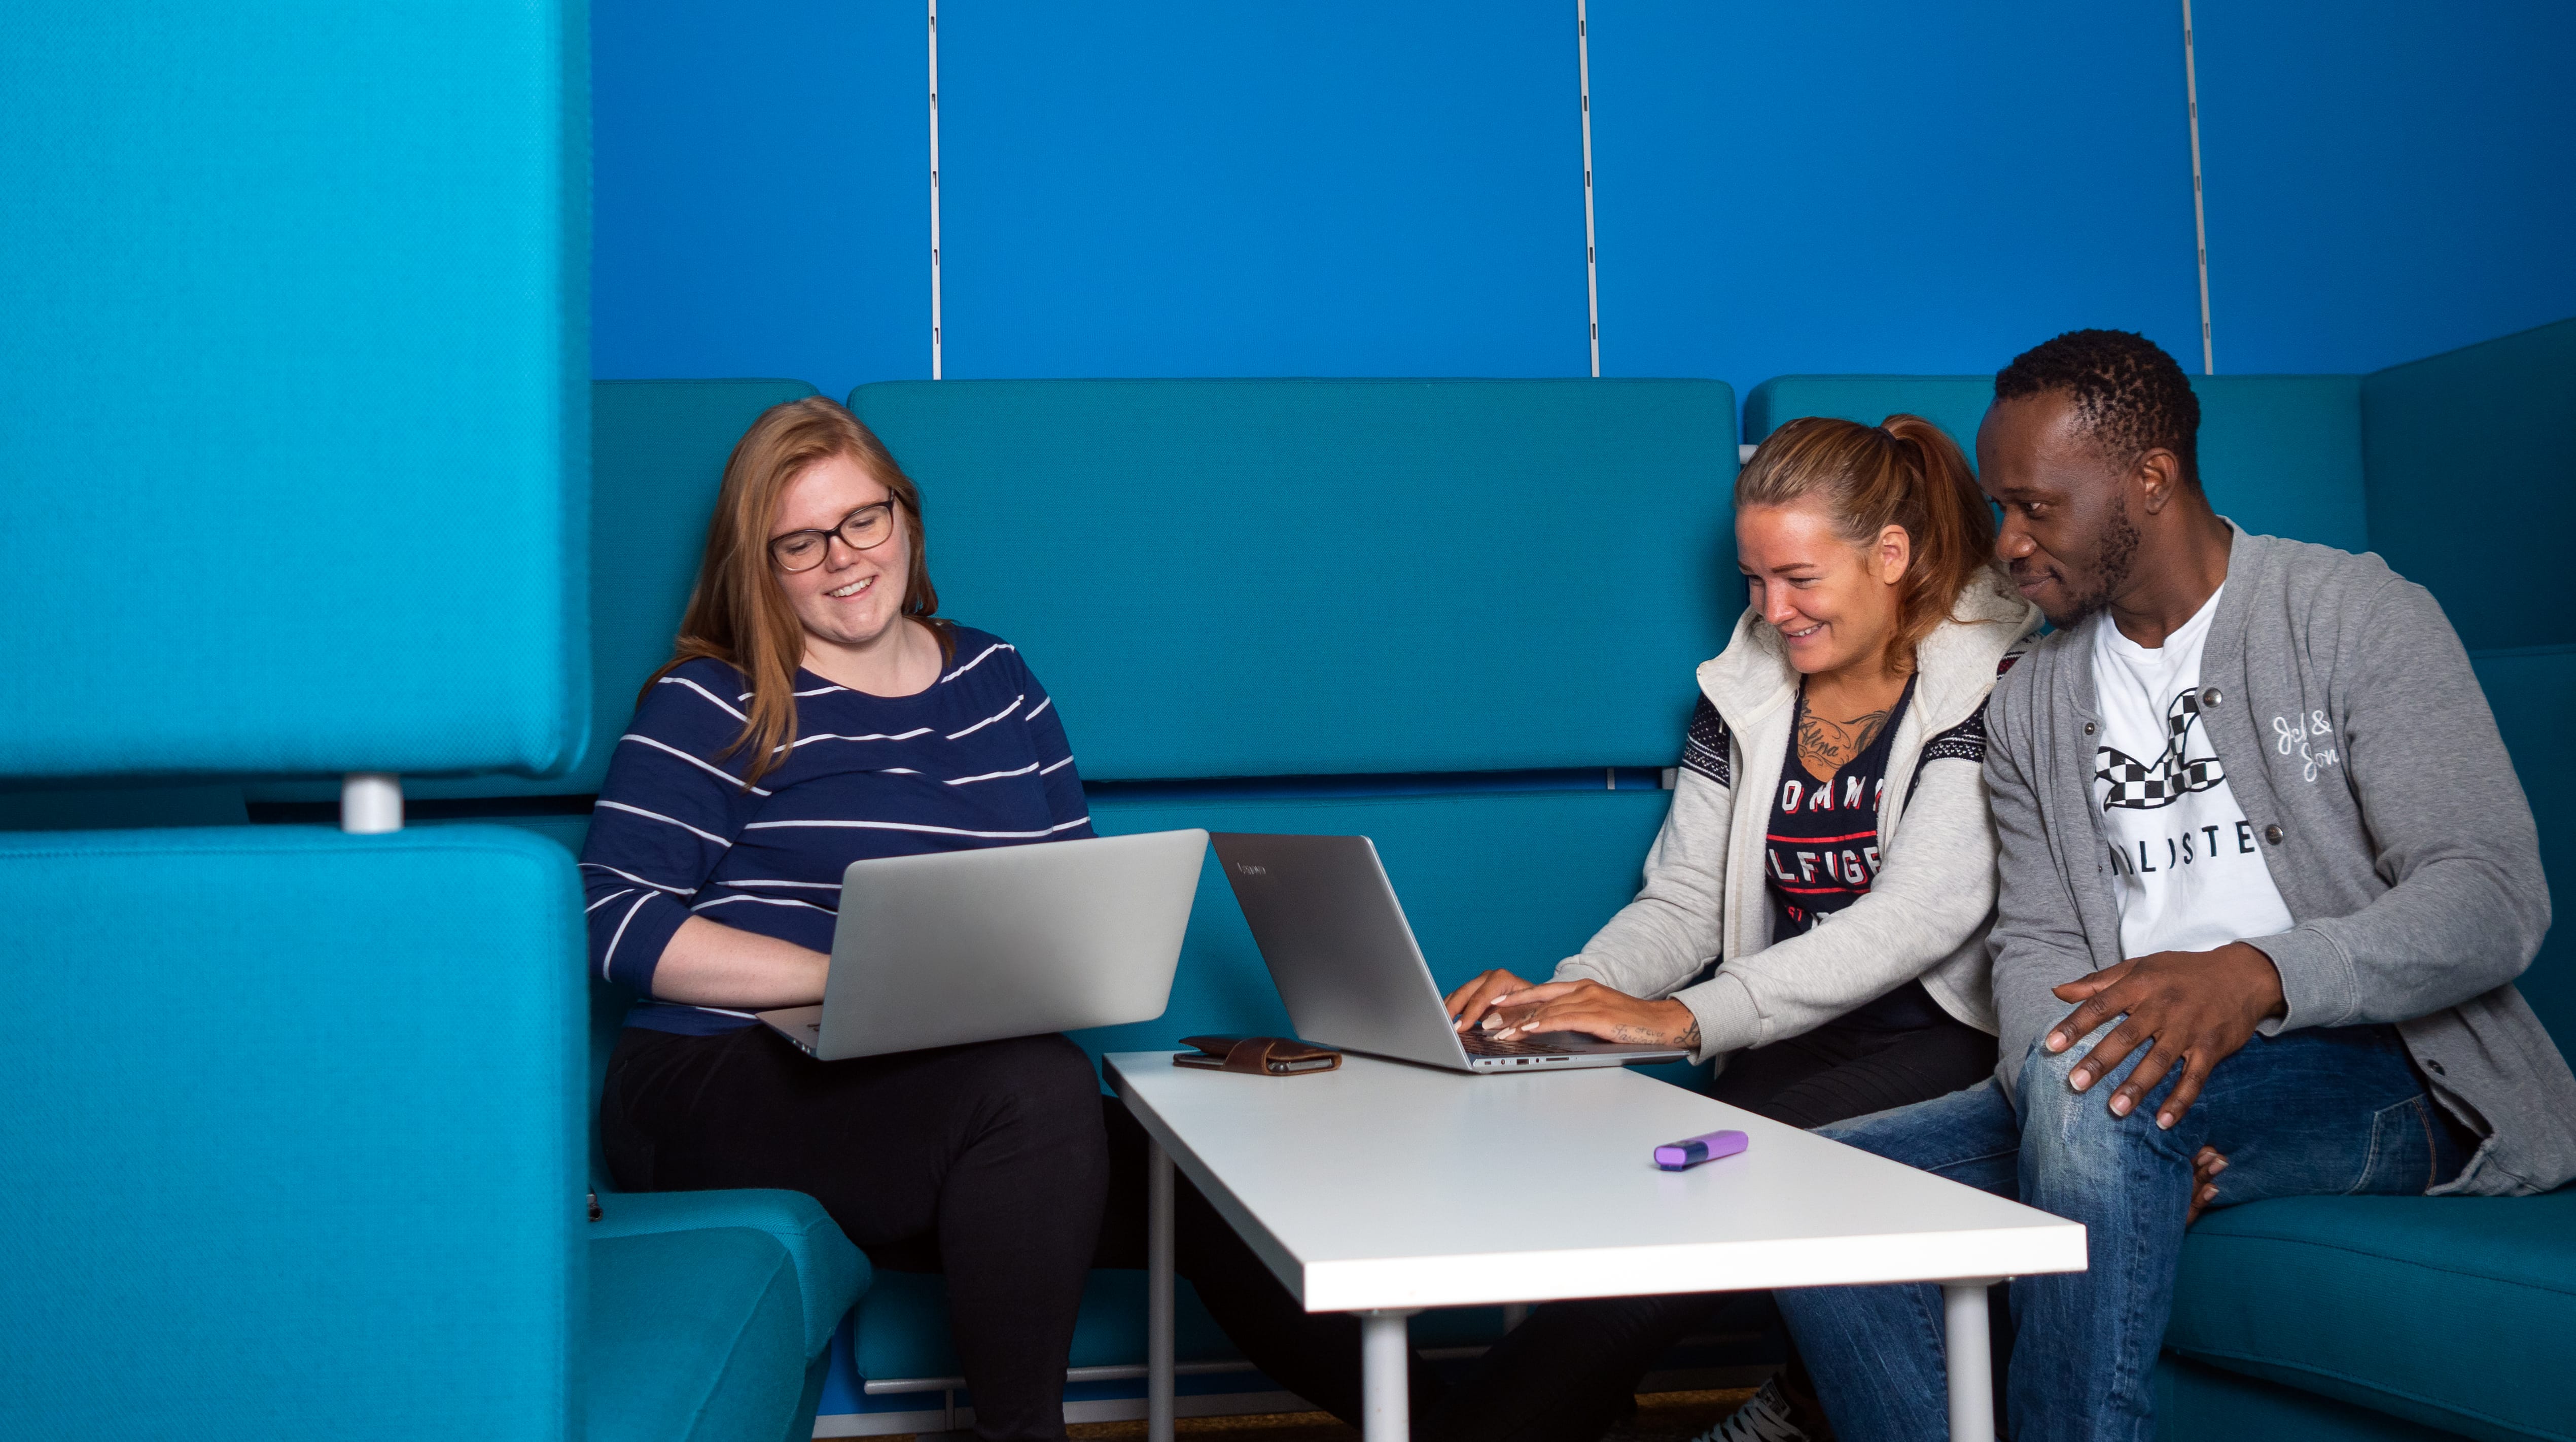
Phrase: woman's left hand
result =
(1595, 1010)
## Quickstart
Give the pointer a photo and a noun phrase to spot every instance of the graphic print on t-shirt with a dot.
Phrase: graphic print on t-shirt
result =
(2186, 867)
(2174, 774)
(1820, 852)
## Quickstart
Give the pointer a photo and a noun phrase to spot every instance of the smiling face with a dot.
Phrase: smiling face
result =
(1833, 603)
(854, 598)
(2068, 538)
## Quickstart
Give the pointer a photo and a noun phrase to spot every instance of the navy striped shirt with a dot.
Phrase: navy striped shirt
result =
(978, 759)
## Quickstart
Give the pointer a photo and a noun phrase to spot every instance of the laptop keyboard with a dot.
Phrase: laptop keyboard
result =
(1486, 1044)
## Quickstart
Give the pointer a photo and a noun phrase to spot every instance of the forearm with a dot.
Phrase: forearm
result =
(710, 964)
(1934, 890)
(1660, 940)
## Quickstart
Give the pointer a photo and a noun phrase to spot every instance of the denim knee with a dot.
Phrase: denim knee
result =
(2065, 1127)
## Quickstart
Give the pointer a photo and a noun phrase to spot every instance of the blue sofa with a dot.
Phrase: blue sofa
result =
(294, 485)
(1370, 541)
(2381, 1318)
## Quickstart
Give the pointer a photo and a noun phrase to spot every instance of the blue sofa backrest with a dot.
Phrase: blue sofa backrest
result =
(2281, 455)
(1275, 577)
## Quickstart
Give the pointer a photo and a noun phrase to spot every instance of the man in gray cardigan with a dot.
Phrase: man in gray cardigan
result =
(2256, 825)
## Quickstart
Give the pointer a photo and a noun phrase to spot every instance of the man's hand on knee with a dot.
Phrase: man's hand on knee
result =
(2192, 1007)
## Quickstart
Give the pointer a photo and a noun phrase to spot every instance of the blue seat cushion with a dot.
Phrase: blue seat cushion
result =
(829, 1274)
(695, 1336)
(294, 1132)
(2196, 1403)
(2453, 1312)
(1317, 577)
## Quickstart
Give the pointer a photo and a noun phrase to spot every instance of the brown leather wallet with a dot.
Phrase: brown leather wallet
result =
(1257, 1055)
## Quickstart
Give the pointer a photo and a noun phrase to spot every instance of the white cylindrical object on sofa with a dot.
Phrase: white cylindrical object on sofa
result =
(371, 803)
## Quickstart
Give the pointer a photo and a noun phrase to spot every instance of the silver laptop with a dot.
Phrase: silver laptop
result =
(962, 946)
(1344, 959)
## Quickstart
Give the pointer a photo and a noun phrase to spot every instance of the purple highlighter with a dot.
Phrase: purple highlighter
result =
(1689, 1152)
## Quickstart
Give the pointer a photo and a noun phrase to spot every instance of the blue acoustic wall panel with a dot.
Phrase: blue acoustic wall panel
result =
(1256, 578)
(2472, 452)
(1173, 189)
(291, 475)
(763, 191)
(2280, 455)
(2384, 180)
(1879, 185)
(297, 1150)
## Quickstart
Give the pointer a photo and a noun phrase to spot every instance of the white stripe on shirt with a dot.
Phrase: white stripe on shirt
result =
(675, 821)
(1039, 709)
(763, 900)
(715, 771)
(603, 901)
(978, 661)
(989, 720)
(877, 736)
(703, 691)
(610, 955)
(1058, 766)
(998, 775)
(820, 885)
(640, 881)
(933, 830)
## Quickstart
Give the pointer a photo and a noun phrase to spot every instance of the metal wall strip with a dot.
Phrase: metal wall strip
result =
(2199, 218)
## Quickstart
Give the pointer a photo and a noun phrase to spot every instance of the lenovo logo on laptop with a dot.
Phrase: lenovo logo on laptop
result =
(1249, 869)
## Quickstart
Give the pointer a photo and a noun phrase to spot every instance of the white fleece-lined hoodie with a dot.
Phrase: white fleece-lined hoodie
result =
(1926, 914)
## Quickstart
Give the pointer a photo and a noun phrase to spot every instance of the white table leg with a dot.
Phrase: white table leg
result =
(1386, 1364)
(1158, 1294)
(1972, 1381)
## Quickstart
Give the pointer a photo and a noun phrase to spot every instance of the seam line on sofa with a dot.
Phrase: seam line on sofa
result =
(2371, 1387)
(2400, 1261)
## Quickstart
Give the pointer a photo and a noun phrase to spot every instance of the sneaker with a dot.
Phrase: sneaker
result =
(1764, 1419)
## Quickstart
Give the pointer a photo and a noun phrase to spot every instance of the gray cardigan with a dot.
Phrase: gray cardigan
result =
(2355, 736)
(1924, 917)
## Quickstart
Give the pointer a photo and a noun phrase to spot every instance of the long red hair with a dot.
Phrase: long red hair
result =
(738, 611)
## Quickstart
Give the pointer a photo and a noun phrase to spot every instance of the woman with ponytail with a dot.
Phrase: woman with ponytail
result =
(1815, 910)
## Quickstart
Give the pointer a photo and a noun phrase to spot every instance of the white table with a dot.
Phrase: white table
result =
(1384, 1188)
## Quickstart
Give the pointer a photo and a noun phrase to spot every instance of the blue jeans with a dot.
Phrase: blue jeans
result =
(2327, 1111)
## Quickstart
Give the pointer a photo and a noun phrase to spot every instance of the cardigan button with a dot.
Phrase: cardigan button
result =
(2272, 834)
(2434, 1067)
(2088, 728)
(2209, 699)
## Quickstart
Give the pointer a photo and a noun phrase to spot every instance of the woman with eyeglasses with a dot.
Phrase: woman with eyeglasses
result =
(819, 711)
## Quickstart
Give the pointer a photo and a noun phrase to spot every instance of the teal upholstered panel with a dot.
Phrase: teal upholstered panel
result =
(1245, 578)
(2472, 479)
(2281, 455)
(2452, 1312)
(658, 451)
(292, 479)
(2195, 1403)
(695, 1336)
(1954, 403)
(829, 1272)
(294, 1134)
(2532, 693)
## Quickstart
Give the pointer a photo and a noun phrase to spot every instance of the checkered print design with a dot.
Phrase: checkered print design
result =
(2144, 786)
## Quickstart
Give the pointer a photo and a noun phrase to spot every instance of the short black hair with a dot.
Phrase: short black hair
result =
(2129, 395)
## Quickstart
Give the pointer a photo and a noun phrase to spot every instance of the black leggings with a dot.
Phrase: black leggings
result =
(986, 1162)
(1569, 1370)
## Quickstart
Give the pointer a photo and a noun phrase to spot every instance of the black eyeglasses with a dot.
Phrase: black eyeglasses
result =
(861, 530)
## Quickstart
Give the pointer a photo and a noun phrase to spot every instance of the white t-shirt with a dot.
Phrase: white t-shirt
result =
(2188, 870)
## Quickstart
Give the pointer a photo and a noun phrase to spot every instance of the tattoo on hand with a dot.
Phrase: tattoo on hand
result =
(1690, 1039)
(1825, 747)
